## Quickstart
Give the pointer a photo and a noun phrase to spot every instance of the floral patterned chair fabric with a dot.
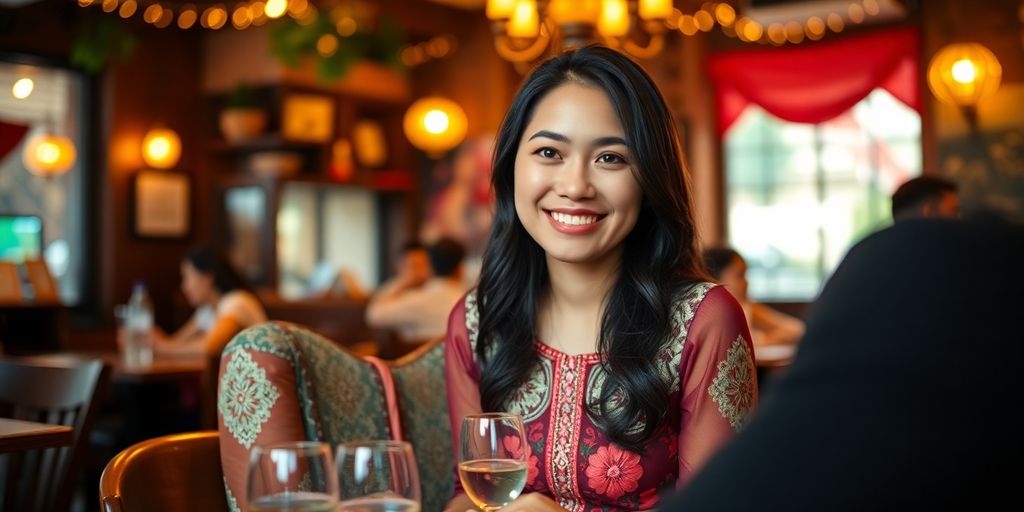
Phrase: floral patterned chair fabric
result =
(423, 411)
(280, 382)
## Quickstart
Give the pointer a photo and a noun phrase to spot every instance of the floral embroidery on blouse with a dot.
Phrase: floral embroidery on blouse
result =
(533, 397)
(595, 385)
(733, 386)
(613, 471)
(672, 354)
(513, 446)
(245, 398)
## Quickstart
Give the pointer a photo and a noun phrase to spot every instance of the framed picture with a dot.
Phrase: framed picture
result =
(370, 143)
(160, 204)
(308, 117)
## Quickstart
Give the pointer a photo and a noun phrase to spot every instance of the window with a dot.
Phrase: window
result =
(799, 195)
(52, 104)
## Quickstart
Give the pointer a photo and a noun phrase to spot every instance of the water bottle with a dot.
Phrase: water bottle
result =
(138, 323)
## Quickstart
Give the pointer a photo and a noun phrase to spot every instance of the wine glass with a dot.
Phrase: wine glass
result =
(292, 476)
(492, 459)
(378, 476)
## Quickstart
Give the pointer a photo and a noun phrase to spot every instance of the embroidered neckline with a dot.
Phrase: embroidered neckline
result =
(553, 353)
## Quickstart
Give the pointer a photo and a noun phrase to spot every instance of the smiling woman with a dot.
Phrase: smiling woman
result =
(593, 319)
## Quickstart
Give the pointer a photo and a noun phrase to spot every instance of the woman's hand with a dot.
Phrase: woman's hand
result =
(533, 502)
(460, 503)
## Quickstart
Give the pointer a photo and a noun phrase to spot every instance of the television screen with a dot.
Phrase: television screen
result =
(21, 237)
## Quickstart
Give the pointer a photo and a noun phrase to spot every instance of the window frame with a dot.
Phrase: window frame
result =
(86, 312)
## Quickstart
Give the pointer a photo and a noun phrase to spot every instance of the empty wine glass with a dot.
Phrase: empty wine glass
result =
(293, 476)
(492, 459)
(378, 476)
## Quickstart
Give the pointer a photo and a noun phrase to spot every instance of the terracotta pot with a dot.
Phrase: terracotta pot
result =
(238, 124)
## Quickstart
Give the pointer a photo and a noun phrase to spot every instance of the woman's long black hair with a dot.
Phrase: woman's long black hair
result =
(660, 257)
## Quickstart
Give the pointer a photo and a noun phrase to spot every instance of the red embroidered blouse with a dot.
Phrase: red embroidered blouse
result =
(708, 362)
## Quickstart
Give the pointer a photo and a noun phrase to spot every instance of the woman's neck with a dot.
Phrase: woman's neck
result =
(569, 318)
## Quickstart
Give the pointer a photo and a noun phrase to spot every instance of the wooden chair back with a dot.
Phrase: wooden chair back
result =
(174, 473)
(60, 392)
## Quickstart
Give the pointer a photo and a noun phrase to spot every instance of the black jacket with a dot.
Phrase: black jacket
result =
(906, 392)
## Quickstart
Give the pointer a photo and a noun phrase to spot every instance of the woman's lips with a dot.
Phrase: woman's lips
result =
(574, 221)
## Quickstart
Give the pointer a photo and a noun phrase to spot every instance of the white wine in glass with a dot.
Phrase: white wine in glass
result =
(378, 476)
(293, 477)
(492, 459)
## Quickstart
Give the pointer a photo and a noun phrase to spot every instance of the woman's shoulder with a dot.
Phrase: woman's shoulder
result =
(243, 305)
(707, 301)
(688, 299)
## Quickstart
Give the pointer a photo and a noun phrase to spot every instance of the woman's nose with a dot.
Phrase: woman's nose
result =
(574, 181)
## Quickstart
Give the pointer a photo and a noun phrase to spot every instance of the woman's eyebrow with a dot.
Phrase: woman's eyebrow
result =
(609, 141)
(599, 142)
(550, 135)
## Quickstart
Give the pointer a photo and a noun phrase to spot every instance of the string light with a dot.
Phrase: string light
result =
(257, 12)
(748, 30)
(209, 15)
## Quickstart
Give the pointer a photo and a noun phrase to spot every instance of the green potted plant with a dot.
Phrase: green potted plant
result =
(243, 116)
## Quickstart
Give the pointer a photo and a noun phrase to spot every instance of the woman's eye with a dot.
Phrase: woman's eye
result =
(610, 158)
(547, 153)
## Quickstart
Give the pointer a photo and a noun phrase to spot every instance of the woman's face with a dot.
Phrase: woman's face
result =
(734, 278)
(197, 286)
(574, 189)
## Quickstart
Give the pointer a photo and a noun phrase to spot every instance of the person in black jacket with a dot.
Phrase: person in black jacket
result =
(906, 392)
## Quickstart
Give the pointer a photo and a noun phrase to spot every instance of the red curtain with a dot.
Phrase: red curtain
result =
(815, 82)
(10, 136)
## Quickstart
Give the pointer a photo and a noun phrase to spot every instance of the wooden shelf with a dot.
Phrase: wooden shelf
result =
(269, 142)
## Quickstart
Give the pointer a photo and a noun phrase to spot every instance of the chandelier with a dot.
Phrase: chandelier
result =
(524, 30)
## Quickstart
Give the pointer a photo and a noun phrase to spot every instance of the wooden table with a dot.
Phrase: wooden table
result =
(18, 435)
(164, 368)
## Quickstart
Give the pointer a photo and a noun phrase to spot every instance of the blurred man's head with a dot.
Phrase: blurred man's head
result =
(415, 262)
(446, 257)
(925, 196)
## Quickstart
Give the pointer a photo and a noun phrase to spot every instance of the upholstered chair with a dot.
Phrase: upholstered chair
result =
(279, 382)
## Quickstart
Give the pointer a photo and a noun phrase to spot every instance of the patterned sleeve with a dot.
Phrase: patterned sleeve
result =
(462, 376)
(719, 389)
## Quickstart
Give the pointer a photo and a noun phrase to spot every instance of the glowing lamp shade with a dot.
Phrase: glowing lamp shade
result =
(575, 11)
(963, 74)
(500, 9)
(435, 125)
(161, 148)
(614, 20)
(656, 9)
(48, 155)
(524, 22)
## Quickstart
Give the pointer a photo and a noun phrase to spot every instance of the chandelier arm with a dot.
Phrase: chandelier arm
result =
(652, 48)
(506, 50)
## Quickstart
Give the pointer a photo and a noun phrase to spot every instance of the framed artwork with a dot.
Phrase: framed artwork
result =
(308, 117)
(160, 204)
(370, 143)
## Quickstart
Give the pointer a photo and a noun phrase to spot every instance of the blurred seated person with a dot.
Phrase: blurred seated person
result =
(896, 399)
(767, 325)
(925, 196)
(224, 306)
(329, 280)
(418, 309)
